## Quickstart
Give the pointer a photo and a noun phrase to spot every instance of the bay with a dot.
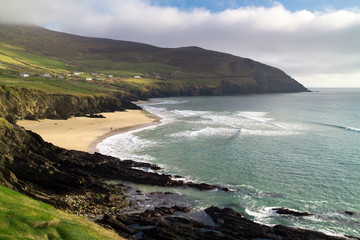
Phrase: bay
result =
(299, 151)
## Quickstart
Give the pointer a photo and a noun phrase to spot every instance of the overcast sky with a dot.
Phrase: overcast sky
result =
(318, 44)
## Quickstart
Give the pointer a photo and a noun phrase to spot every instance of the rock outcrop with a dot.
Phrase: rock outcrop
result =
(159, 224)
(23, 103)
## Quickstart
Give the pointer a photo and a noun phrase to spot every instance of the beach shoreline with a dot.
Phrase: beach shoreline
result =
(84, 133)
(93, 144)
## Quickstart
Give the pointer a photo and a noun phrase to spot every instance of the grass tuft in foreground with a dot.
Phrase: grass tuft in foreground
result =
(24, 218)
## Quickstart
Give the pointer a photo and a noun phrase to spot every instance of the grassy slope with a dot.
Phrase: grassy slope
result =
(13, 61)
(24, 218)
(189, 67)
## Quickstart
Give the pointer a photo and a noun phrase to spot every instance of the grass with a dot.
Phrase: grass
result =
(127, 69)
(15, 60)
(6, 59)
(58, 85)
(24, 218)
(5, 123)
(32, 60)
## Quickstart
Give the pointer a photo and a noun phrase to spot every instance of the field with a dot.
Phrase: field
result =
(24, 218)
(14, 61)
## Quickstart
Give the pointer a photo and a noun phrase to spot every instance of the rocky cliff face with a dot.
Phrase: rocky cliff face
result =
(22, 103)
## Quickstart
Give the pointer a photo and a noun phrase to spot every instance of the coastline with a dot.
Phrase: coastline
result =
(84, 133)
(156, 120)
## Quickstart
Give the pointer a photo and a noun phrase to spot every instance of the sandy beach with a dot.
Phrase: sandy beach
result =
(83, 133)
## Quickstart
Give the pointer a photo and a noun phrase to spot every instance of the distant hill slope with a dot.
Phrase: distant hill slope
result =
(163, 71)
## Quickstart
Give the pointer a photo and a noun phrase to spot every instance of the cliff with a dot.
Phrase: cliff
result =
(23, 103)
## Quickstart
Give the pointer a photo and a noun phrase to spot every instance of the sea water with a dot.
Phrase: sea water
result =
(299, 151)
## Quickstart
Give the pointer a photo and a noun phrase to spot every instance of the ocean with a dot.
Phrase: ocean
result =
(299, 151)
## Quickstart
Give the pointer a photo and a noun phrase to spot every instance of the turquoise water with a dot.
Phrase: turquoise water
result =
(299, 151)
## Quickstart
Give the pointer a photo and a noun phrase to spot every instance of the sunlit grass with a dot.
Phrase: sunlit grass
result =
(24, 218)
(33, 60)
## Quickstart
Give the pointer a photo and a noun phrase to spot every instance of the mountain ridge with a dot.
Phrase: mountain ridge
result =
(186, 68)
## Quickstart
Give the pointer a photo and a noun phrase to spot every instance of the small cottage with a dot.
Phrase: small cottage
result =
(24, 75)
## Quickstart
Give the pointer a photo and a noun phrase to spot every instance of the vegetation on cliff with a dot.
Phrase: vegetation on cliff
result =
(24, 103)
(24, 218)
(129, 68)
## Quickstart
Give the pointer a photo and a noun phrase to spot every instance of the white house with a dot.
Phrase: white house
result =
(137, 76)
(24, 75)
(47, 75)
(88, 79)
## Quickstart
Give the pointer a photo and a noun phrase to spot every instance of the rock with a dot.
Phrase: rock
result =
(349, 213)
(119, 227)
(21, 103)
(291, 212)
(4, 148)
(115, 198)
(352, 237)
(181, 209)
(95, 115)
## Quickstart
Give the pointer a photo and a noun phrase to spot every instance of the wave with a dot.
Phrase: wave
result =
(126, 145)
(191, 113)
(207, 132)
(338, 126)
(352, 129)
(255, 132)
(163, 102)
(258, 117)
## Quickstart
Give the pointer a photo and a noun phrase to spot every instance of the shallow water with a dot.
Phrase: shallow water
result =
(299, 151)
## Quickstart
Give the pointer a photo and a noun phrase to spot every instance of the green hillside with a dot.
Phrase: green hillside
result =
(24, 218)
(128, 68)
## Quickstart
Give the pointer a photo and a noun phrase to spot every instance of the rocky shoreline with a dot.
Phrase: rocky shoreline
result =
(77, 182)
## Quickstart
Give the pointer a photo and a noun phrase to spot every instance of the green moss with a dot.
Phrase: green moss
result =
(5, 123)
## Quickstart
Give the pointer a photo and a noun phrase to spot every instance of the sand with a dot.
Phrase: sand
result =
(83, 133)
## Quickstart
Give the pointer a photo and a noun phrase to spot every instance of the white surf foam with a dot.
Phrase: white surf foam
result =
(126, 145)
(163, 102)
(190, 113)
(255, 132)
(207, 132)
(352, 129)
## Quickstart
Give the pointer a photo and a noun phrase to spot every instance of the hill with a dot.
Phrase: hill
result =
(130, 68)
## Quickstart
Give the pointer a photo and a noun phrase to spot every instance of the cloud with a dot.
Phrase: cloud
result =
(311, 46)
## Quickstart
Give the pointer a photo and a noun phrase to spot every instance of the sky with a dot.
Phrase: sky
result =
(317, 42)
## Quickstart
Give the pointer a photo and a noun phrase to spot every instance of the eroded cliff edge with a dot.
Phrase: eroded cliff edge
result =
(23, 103)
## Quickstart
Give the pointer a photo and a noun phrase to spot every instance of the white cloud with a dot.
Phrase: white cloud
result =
(307, 45)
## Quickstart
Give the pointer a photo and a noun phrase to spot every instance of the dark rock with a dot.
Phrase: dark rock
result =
(181, 209)
(95, 116)
(4, 148)
(291, 212)
(349, 213)
(119, 227)
(352, 237)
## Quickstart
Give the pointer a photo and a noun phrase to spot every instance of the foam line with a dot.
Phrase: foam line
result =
(339, 127)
